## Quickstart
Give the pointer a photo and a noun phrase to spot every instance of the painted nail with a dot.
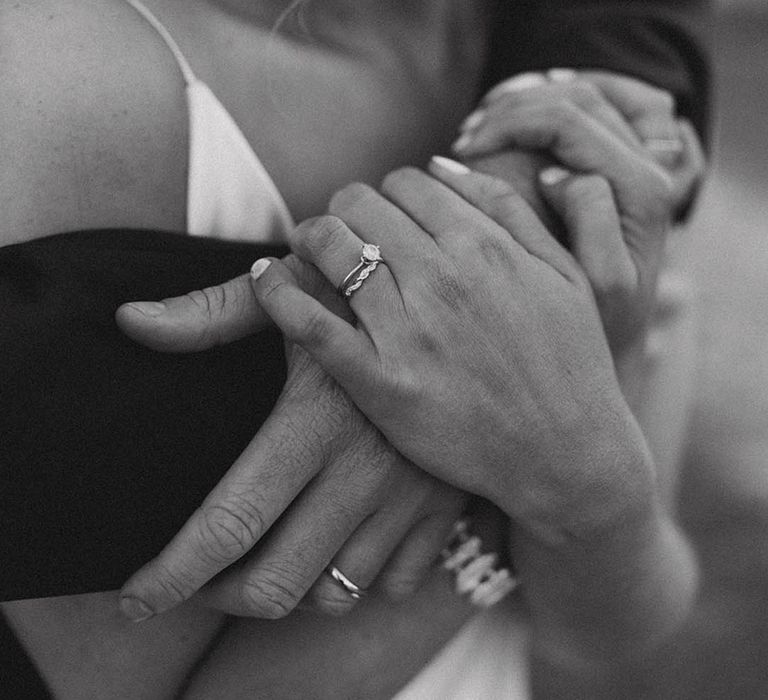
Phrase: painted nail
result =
(135, 609)
(554, 175)
(462, 142)
(452, 166)
(258, 268)
(148, 308)
(473, 120)
(561, 75)
(524, 81)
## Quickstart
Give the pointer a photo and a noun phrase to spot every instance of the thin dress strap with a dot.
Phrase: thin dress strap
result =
(186, 69)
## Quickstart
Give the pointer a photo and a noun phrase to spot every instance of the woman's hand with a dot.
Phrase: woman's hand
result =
(479, 351)
(317, 483)
(624, 134)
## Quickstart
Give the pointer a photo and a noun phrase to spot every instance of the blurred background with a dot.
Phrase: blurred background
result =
(723, 652)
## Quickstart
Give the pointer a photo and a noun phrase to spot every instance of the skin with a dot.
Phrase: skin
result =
(183, 324)
(110, 132)
(96, 125)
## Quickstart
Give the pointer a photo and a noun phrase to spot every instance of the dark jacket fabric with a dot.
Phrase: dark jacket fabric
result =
(663, 42)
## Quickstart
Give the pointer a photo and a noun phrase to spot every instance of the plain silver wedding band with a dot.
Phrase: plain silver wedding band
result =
(351, 588)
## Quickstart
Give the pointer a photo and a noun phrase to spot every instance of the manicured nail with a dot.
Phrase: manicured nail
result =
(554, 175)
(462, 142)
(135, 609)
(148, 308)
(561, 75)
(473, 120)
(258, 268)
(452, 166)
(524, 81)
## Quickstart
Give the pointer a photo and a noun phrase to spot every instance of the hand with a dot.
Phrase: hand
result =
(577, 124)
(480, 321)
(339, 490)
(638, 114)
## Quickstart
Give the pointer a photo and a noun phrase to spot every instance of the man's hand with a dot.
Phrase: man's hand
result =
(317, 484)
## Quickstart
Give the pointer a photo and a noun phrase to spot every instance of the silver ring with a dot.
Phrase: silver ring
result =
(369, 261)
(352, 588)
(475, 571)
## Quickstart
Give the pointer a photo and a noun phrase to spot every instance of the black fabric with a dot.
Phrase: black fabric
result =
(107, 447)
(663, 42)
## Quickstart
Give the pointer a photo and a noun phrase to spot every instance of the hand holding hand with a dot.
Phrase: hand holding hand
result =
(318, 483)
(598, 126)
(478, 352)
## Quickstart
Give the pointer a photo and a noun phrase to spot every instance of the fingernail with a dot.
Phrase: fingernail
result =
(473, 120)
(148, 308)
(524, 81)
(664, 145)
(462, 142)
(135, 609)
(258, 268)
(452, 166)
(554, 175)
(561, 75)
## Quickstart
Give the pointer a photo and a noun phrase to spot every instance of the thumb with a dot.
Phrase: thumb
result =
(196, 321)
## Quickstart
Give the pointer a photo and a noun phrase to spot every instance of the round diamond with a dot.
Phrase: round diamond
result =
(371, 252)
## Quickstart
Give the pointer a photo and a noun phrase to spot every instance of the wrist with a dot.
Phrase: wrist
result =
(603, 478)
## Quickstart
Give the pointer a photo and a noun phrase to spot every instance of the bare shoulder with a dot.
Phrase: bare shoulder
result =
(92, 120)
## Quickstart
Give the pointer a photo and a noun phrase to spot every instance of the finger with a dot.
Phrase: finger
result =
(375, 219)
(691, 166)
(367, 551)
(581, 93)
(500, 201)
(418, 555)
(650, 111)
(338, 252)
(337, 346)
(196, 321)
(581, 143)
(260, 485)
(272, 582)
(587, 207)
(440, 211)
(517, 83)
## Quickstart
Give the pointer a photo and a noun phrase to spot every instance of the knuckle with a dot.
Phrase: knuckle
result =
(169, 585)
(272, 594)
(324, 232)
(586, 94)
(350, 197)
(396, 179)
(229, 529)
(448, 286)
(210, 301)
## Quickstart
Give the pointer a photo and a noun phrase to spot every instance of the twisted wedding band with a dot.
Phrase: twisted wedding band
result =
(475, 571)
(352, 589)
(369, 261)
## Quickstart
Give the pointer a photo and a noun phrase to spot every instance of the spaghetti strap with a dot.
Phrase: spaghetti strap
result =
(186, 69)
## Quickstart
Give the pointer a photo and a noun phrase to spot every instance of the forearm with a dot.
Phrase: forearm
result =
(600, 602)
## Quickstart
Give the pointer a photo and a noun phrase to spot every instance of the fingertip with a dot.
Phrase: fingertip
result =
(554, 175)
(260, 267)
(135, 609)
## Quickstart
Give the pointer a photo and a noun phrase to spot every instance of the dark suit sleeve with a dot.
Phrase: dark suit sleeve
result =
(663, 42)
